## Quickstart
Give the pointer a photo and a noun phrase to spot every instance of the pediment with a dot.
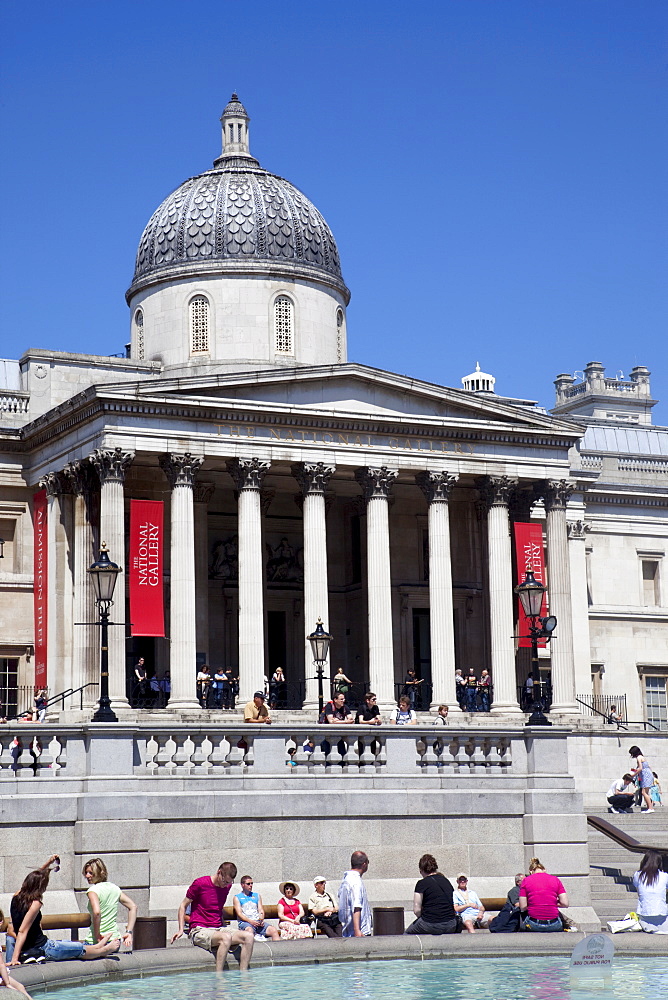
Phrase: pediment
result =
(354, 389)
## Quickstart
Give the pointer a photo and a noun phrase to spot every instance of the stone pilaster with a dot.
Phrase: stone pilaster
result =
(59, 582)
(248, 475)
(181, 472)
(376, 484)
(577, 557)
(111, 464)
(313, 479)
(86, 637)
(497, 492)
(437, 487)
(556, 494)
(202, 493)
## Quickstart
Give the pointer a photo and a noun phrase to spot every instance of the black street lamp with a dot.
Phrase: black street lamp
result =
(103, 575)
(531, 593)
(320, 641)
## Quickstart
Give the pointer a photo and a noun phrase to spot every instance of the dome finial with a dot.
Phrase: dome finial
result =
(234, 121)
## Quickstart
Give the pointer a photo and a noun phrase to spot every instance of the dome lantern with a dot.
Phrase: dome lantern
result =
(234, 125)
(478, 381)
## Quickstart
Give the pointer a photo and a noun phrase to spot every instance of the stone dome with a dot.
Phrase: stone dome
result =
(237, 218)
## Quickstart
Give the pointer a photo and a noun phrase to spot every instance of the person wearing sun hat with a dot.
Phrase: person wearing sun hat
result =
(468, 905)
(290, 913)
(322, 906)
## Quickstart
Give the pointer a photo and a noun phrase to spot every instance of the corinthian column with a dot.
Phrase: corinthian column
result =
(313, 479)
(497, 492)
(181, 471)
(86, 638)
(111, 465)
(556, 494)
(437, 487)
(202, 493)
(376, 485)
(248, 475)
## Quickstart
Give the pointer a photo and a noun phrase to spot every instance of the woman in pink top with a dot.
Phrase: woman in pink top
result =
(541, 895)
(290, 912)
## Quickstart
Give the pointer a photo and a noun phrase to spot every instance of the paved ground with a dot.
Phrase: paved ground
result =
(183, 959)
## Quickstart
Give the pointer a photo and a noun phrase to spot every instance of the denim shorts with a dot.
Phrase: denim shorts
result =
(62, 951)
(259, 932)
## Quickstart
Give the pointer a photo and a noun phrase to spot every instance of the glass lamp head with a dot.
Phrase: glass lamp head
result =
(103, 573)
(320, 640)
(530, 593)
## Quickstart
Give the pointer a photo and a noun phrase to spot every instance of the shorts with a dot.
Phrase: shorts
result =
(201, 936)
(63, 951)
(259, 932)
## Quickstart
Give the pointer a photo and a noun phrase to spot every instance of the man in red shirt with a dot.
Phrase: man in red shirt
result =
(206, 898)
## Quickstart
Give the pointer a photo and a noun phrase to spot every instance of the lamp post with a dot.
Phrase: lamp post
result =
(2, 548)
(320, 641)
(531, 593)
(103, 575)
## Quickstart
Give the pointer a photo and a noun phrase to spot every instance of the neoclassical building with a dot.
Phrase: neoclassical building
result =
(298, 486)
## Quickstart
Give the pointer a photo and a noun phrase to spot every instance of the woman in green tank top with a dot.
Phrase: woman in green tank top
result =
(103, 900)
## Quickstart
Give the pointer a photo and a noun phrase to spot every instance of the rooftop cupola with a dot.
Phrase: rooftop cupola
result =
(478, 381)
(234, 123)
(617, 399)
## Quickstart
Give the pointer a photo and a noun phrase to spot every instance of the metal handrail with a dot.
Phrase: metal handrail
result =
(624, 840)
(620, 725)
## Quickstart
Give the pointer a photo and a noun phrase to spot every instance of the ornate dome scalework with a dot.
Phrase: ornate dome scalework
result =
(236, 219)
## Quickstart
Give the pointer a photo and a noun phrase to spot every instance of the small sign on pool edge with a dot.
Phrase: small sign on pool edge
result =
(593, 956)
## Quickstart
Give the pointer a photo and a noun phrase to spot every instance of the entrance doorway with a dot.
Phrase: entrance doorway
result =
(422, 658)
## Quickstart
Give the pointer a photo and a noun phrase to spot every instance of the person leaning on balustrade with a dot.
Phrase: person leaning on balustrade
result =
(256, 711)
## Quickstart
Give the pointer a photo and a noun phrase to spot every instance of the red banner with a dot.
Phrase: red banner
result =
(530, 556)
(40, 585)
(146, 588)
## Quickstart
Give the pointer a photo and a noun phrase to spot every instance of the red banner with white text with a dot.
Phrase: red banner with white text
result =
(145, 567)
(530, 557)
(40, 585)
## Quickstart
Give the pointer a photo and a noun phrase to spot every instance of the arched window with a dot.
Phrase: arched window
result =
(340, 322)
(284, 325)
(199, 325)
(139, 335)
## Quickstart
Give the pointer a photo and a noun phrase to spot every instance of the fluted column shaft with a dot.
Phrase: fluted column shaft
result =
(377, 484)
(59, 607)
(181, 471)
(500, 575)
(111, 465)
(437, 487)
(202, 493)
(577, 533)
(248, 475)
(556, 496)
(313, 479)
(86, 636)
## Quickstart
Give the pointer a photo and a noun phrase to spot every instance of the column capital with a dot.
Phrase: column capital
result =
(577, 529)
(81, 477)
(248, 473)
(111, 464)
(376, 482)
(202, 492)
(556, 493)
(313, 477)
(181, 470)
(497, 491)
(55, 484)
(436, 486)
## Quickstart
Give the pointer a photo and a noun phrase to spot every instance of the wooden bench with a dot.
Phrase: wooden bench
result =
(58, 922)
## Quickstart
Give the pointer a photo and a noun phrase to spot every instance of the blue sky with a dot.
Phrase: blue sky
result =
(494, 171)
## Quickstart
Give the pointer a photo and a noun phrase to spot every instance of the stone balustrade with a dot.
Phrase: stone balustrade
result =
(184, 751)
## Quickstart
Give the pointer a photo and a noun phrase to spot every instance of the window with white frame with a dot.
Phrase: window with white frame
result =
(139, 334)
(656, 700)
(199, 325)
(284, 325)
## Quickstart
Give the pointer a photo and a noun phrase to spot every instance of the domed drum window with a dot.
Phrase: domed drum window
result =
(284, 325)
(139, 335)
(199, 325)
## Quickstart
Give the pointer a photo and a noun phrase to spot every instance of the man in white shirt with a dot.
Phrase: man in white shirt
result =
(354, 909)
(621, 794)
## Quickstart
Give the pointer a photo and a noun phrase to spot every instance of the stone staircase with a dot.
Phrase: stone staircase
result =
(611, 867)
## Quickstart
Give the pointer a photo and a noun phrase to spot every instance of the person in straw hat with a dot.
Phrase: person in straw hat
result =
(290, 913)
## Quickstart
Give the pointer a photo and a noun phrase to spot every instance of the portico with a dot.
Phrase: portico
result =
(380, 511)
